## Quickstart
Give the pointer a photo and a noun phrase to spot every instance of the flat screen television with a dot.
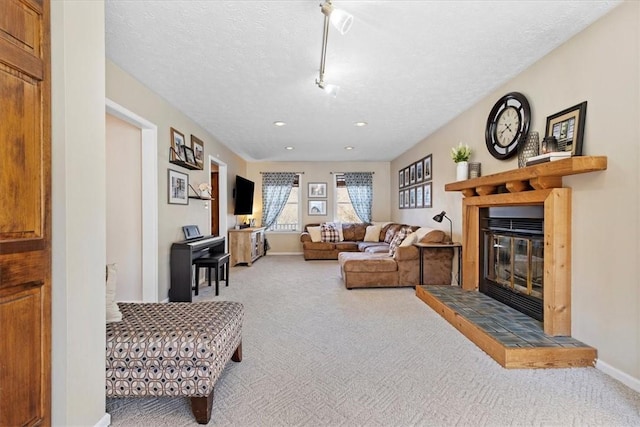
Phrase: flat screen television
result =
(244, 196)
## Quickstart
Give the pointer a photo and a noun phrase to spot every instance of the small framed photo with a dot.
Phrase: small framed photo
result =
(317, 207)
(568, 128)
(406, 177)
(419, 195)
(198, 150)
(401, 179)
(406, 199)
(427, 168)
(412, 174)
(412, 197)
(317, 190)
(426, 199)
(178, 186)
(177, 144)
(419, 169)
(401, 199)
(188, 155)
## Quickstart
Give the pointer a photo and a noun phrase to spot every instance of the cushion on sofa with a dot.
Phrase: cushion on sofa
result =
(392, 230)
(378, 249)
(353, 232)
(366, 263)
(314, 232)
(363, 246)
(433, 236)
(329, 233)
(338, 227)
(410, 239)
(372, 233)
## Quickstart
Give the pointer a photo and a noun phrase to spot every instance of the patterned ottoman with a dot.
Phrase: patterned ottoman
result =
(174, 349)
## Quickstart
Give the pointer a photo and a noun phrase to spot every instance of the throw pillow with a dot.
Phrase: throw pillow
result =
(314, 233)
(113, 311)
(410, 239)
(338, 227)
(372, 234)
(329, 233)
(397, 239)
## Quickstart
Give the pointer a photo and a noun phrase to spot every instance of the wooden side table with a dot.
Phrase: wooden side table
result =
(456, 246)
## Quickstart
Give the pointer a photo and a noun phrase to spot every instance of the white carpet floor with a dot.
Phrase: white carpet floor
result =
(317, 354)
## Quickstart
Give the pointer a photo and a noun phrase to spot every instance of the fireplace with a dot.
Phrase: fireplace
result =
(512, 257)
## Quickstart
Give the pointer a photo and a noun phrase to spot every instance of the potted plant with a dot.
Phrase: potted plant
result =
(460, 156)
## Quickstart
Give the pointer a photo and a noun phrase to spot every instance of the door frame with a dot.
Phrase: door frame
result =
(222, 194)
(149, 201)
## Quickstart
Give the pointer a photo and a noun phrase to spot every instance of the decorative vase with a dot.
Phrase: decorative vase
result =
(462, 171)
(529, 149)
(204, 194)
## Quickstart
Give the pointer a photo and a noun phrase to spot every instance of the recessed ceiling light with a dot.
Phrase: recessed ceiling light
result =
(288, 147)
(348, 147)
(360, 124)
(279, 123)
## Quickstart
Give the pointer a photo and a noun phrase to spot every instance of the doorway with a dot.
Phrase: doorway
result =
(218, 170)
(215, 201)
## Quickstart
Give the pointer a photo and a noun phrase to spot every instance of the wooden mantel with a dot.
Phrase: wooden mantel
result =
(538, 177)
(532, 185)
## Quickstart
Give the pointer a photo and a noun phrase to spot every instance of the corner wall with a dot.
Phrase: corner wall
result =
(602, 66)
(289, 242)
(78, 213)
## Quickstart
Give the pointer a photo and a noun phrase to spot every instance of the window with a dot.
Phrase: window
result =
(289, 218)
(344, 209)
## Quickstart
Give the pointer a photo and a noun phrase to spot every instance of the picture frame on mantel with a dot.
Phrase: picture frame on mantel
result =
(568, 128)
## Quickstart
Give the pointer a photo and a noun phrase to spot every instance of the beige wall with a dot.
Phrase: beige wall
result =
(123, 89)
(289, 242)
(124, 210)
(601, 66)
(79, 213)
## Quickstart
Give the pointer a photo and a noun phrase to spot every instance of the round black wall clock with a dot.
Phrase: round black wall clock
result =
(507, 125)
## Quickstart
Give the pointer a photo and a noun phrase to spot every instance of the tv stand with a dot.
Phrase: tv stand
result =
(246, 245)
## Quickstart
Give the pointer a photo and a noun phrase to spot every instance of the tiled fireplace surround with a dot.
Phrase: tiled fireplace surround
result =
(533, 185)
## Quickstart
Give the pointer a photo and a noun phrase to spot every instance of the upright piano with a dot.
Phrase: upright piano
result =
(182, 255)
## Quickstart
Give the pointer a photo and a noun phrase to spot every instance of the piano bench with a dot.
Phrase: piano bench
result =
(215, 262)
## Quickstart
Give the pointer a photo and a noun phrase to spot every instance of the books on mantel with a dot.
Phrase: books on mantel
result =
(548, 157)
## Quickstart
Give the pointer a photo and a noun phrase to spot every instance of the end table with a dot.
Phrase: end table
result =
(456, 246)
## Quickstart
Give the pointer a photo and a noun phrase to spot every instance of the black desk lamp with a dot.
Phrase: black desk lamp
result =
(439, 217)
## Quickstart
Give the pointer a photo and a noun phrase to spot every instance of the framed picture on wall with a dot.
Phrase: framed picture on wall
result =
(400, 179)
(412, 197)
(426, 200)
(317, 207)
(317, 190)
(198, 151)
(419, 195)
(406, 177)
(427, 168)
(401, 199)
(177, 144)
(178, 188)
(406, 199)
(412, 174)
(189, 155)
(419, 170)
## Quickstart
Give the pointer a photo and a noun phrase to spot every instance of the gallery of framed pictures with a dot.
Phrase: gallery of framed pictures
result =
(414, 183)
(418, 196)
(189, 157)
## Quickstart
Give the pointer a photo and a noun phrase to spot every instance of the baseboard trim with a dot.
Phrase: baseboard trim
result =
(284, 253)
(105, 421)
(624, 378)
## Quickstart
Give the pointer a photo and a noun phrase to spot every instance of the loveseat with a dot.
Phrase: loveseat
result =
(381, 255)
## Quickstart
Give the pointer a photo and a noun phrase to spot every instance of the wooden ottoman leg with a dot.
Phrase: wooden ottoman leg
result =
(237, 355)
(201, 408)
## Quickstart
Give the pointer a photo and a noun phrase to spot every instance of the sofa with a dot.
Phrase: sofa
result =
(380, 255)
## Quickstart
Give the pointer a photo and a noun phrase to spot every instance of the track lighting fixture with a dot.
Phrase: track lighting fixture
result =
(342, 21)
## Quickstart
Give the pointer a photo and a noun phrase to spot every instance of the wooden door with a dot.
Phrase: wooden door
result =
(25, 213)
(215, 205)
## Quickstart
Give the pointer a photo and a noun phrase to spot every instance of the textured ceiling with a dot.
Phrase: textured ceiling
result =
(405, 67)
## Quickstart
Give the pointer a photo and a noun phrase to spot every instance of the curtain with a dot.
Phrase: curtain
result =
(276, 187)
(360, 188)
